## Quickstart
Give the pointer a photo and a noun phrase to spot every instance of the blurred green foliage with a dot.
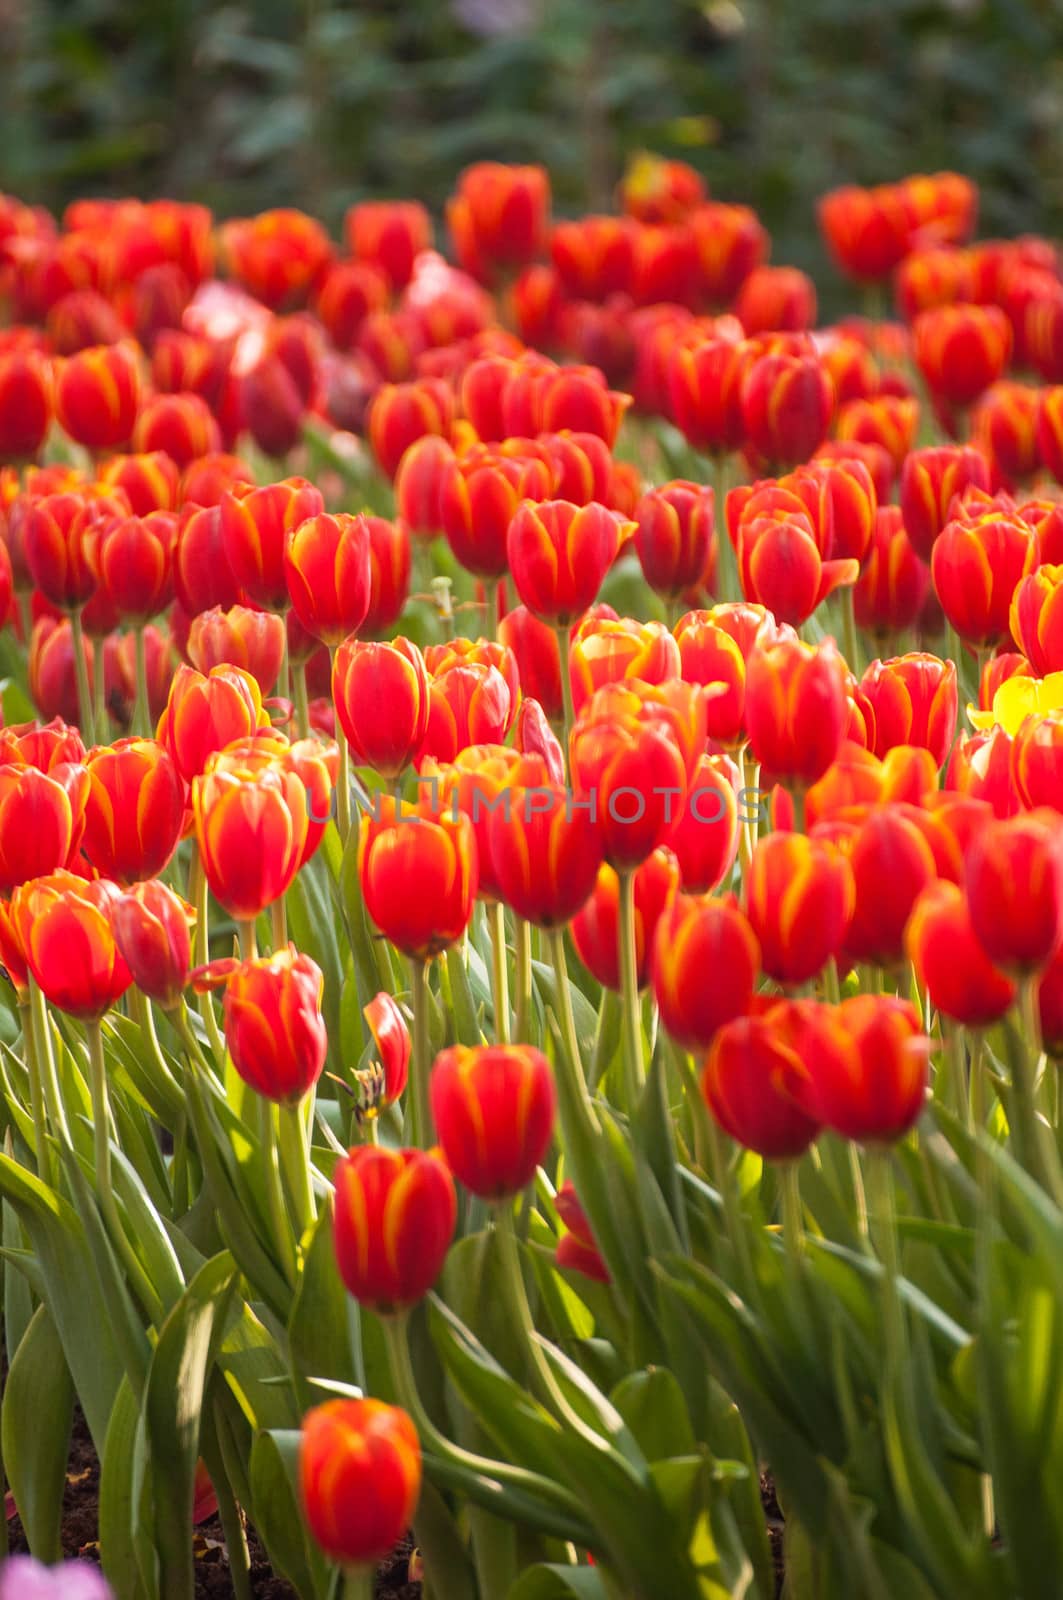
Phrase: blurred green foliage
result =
(317, 103)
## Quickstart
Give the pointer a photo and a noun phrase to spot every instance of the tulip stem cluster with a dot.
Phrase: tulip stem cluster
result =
(633, 1058)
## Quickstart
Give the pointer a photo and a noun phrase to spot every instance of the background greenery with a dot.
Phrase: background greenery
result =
(306, 102)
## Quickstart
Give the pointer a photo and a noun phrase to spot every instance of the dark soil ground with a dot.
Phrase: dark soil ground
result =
(79, 1535)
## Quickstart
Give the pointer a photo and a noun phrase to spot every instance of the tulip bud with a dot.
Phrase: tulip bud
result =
(494, 1108)
(795, 709)
(776, 300)
(1014, 884)
(705, 837)
(543, 845)
(151, 929)
(914, 701)
(868, 231)
(403, 846)
(202, 575)
(559, 553)
(135, 809)
(752, 1084)
(787, 404)
(950, 962)
(403, 413)
(698, 935)
(676, 537)
(394, 1221)
(867, 1072)
(535, 646)
(42, 819)
(274, 1029)
(892, 589)
(930, 480)
(25, 403)
(976, 566)
(961, 350)
(97, 396)
(251, 828)
(239, 637)
(206, 712)
(255, 532)
(799, 898)
(389, 234)
(1036, 619)
(499, 217)
(180, 424)
(892, 863)
(359, 1478)
(382, 700)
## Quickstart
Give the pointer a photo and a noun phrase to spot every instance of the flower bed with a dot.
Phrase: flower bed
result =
(532, 898)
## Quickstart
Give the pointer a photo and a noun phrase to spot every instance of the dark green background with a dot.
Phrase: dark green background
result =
(263, 103)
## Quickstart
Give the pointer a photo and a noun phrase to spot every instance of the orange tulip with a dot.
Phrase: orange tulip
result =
(787, 404)
(239, 637)
(65, 927)
(976, 566)
(97, 396)
(135, 809)
(404, 845)
(949, 960)
(359, 1478)
(42, 819)
(596, 926)
(151, 929)
(559, 553)
(389, 234)
(403, 413)
(206, 712)
(1014, 884)
(868, 231)
(753, 1082)
(961, 350)
(250, 811)
(867, 1071)
(795, 709)
(914, 701)
(26, 402)
(494, 1109)
(255, 529)
(382, 700)
(395, 1212)
(279, 256)
(1036, 619)
(696, 935)
(930, 480)
(799, 898)
(544, 845)
(892, 589)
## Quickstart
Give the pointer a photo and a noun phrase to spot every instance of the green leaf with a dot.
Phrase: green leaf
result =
(37, 1412)
(276, 1512)
(72, 1292)
(549, 1582)
(654, 1408)
(18, 1295)
(318, 1329)
(124, 1529)
(170, 1419)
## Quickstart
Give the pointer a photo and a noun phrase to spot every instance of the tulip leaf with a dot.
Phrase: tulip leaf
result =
(36, 1436)
(502, 1500)
(653, 1406)
(238, 1228)
(72, 1291)
(168, 1437)
(18, 1293)
(277, 1516)
(136, 1071)
(318, 1330)
(550, 1582)
(124, 1526)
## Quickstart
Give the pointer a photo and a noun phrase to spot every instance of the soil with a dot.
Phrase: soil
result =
(79, 1537)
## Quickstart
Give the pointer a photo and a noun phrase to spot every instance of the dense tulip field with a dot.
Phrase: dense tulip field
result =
(532, 899)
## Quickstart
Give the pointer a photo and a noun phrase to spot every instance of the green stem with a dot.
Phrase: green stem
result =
(409, 1397)
(81, 678)
(141, 1013)
(278, 918)
(523, 980)
(856, 1172)
(797, 795)
(422, 1131)
(956, 1095)
(101, 1130)
(852, 649)
(278, 1215)
(490, 607)
(296, 1156)
(977, 1106)
(359, 1583)
(302, 700)
(564, 645)
(141, 707)
(513, 1277)
(734, 1220)
(248, 940)
(884, 1223)
(42, 1149)
(571, 1062)
(699, 1111)
(343, 779)
(496, 916)
(199, 895)
(634, 1067)
(99, 693)
(53, 1098)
